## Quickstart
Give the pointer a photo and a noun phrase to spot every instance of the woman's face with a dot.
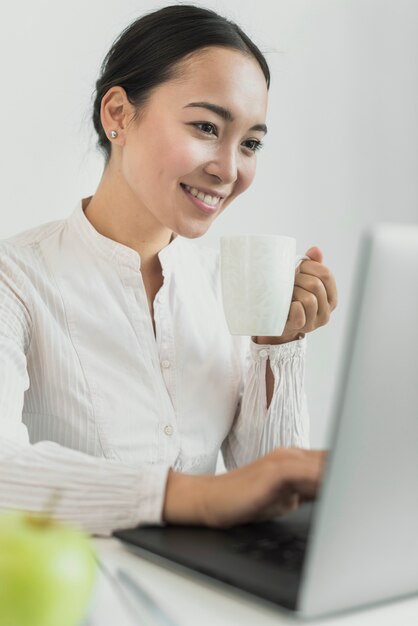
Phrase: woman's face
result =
(173, 144)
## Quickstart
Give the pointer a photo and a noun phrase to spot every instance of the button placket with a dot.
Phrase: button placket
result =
(165, 346)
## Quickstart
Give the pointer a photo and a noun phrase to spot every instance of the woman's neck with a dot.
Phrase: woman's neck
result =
(113, 220)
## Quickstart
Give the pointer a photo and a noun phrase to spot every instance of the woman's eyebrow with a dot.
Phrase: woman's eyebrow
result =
(225, 114)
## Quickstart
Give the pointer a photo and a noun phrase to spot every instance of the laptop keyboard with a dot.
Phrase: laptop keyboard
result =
(286, 550)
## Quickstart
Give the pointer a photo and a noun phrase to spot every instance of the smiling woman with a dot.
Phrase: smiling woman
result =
(204, 145)
(120, 382)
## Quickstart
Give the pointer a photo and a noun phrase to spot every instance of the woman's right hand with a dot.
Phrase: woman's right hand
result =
(268, 487)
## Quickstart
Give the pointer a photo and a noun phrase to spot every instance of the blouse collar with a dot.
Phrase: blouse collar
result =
(111, 249)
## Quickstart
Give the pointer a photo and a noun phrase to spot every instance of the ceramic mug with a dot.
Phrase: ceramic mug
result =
(258, 276)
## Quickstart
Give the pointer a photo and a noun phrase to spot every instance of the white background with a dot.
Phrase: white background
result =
(340, 155)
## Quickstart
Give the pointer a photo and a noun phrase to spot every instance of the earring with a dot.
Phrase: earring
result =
(113, 133)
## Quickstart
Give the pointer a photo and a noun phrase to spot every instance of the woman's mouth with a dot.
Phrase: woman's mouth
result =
(207, 208)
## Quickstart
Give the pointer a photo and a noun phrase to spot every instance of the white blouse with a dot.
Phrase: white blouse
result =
(93, 404)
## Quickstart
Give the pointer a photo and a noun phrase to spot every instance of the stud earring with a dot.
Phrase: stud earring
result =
(113, 133)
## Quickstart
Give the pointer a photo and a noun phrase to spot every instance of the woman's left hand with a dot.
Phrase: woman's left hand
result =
(314, 298)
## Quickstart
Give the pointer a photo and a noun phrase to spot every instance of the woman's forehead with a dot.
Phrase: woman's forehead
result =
(229, 79)
(208, 63)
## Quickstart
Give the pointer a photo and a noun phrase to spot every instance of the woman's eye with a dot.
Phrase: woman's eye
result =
(204, 124)
(256, 145)
(210, 129)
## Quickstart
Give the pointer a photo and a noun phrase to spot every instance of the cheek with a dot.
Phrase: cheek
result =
(246, 177)
(176, 151)
(247, 174)
(183, 156)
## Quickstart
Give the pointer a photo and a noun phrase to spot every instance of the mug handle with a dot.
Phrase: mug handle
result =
(299, 260)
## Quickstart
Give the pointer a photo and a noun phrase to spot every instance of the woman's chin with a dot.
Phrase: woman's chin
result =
(192, 231)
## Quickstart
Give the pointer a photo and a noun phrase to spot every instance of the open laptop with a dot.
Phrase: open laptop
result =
(358, 543)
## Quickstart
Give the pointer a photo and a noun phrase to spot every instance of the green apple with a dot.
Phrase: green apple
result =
(47, 571)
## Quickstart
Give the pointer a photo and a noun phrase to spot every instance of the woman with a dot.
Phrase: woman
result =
(119, 381)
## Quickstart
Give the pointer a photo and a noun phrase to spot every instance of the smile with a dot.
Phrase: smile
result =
(206, 198)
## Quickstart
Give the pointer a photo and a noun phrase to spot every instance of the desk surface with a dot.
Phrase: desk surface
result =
(190, 600)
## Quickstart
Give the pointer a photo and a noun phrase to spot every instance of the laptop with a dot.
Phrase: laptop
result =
(357, 544)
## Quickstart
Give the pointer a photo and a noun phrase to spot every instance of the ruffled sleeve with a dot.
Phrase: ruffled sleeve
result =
(257, 430)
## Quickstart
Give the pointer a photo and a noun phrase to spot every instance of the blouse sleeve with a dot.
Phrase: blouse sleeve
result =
(97, 494)
(257, 430)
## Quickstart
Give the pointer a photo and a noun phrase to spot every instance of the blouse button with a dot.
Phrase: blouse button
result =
(168, 430)
(263, 353)
(165, 364)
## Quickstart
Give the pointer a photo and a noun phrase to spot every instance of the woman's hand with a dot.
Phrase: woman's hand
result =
(314, 298)
(270, 486)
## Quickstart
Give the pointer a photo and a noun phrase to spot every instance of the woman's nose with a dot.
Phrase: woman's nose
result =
(224, 165)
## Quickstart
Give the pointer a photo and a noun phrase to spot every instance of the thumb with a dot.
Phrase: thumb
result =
(315, 254)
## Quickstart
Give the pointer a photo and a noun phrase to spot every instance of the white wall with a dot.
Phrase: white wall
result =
(341, 152)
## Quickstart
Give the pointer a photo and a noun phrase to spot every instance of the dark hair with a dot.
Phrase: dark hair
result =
(148, 51)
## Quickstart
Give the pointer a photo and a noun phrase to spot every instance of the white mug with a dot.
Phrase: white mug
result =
(258, 276)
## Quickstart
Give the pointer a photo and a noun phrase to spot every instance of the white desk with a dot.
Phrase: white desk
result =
(190, 601)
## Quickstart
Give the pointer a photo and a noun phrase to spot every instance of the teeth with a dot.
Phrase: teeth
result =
(212, 200)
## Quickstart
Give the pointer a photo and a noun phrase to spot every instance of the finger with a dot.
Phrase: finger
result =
(285, 504)
(307, 488)
(320, 455)
(303, 454)
(306, 481)
(296, 318)
(304, 475)
(315, 254)
(306, 455)
(309, 303)
(325, 275)
(314, 285)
